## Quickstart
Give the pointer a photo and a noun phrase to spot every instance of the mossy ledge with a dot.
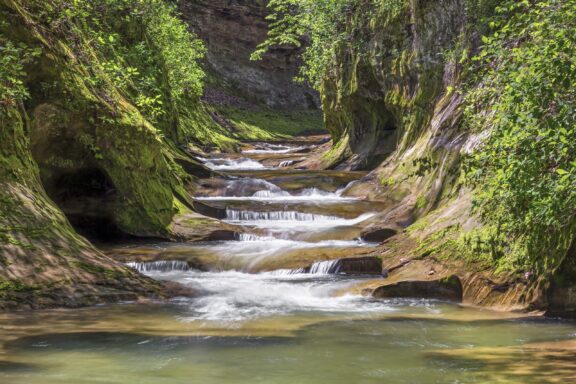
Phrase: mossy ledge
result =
(78, 150)
(43, 262)
(395, 98)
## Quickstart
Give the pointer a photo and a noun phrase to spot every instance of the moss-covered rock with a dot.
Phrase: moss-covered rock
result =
(43, 261)
(381, 93)
(77, 146)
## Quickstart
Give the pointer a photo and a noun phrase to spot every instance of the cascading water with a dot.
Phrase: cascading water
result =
(325, 267)
(232, 294)
(286, 163)
(235, 215)
(221, 164)
(248, 189)
(266, 148)
(160, 266)
(269, 194)
(296, 323)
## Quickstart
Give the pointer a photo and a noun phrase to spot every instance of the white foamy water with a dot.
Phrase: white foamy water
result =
(263, 148)
(291, 220)
(269, 195)
(233, 297)
(271, 192)
(229, 294)
(159, 266)
(252, 250)
(241, 215)
(325, 267)
(220, 164)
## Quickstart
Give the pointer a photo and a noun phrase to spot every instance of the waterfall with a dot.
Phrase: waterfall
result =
(237, 215)
(325, 267)
(273, 148)
(271, 193)
(232, 164)
(160, 266)
(287, 272)
(315, 192)
(248, 187)
(253, 237)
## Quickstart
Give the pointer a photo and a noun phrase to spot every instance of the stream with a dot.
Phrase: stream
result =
(273, 306)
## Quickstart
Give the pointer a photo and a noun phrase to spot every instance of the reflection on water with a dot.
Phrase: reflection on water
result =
(404, 342)
(284, 326)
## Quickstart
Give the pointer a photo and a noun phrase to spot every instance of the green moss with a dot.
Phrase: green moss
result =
(267, 124)
(111, 273)
(418, 225)
(8, 286)
(88, 267)
(421, 202)
(387, 181)
(450, 280)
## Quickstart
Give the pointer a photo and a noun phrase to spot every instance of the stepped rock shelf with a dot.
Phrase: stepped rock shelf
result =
(300, 281)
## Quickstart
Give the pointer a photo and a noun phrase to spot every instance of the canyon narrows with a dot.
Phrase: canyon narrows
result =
(279, 294)
(274, 191)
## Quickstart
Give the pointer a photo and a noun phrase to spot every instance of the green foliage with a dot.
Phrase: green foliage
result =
(325, 29)
(13, 59)
(266, 124)
(319, 23)
(387, 181)
(421, 202)
(178, 49)
(143, 49)
(525, 92)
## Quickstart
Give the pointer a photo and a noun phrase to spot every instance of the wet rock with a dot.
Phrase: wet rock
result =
(223, 235)
(209, 210)
(377, 235)
(561, 293)
(194, 227)
(194, 167)
(360, 266)
(449, 288)
(174, 289)
(232, 30)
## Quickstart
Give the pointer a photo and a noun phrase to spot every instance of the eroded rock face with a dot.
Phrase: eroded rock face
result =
(232, 30)
(360, 266)
(449, 288)
(38, 247)
(561, 294)
(377, 235)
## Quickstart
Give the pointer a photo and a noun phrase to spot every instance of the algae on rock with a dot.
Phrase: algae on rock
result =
(91, 134)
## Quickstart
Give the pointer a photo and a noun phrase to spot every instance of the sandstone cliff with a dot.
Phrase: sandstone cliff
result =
(393, 101)
(232, 30)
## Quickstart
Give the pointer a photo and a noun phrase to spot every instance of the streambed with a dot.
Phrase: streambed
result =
(272, 307)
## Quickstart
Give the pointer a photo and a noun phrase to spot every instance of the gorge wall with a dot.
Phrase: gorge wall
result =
(232, 30)
(96, 136)
(394, 102)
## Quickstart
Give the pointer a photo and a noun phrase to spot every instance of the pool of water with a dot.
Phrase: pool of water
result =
(282, 325)
(282, 330)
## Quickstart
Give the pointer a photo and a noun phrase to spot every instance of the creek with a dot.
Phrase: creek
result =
(274, 305)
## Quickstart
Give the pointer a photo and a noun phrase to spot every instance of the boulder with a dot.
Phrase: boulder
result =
(360, 266)
(448, 288)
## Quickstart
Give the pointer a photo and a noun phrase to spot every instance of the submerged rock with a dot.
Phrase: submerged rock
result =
(449, 288)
